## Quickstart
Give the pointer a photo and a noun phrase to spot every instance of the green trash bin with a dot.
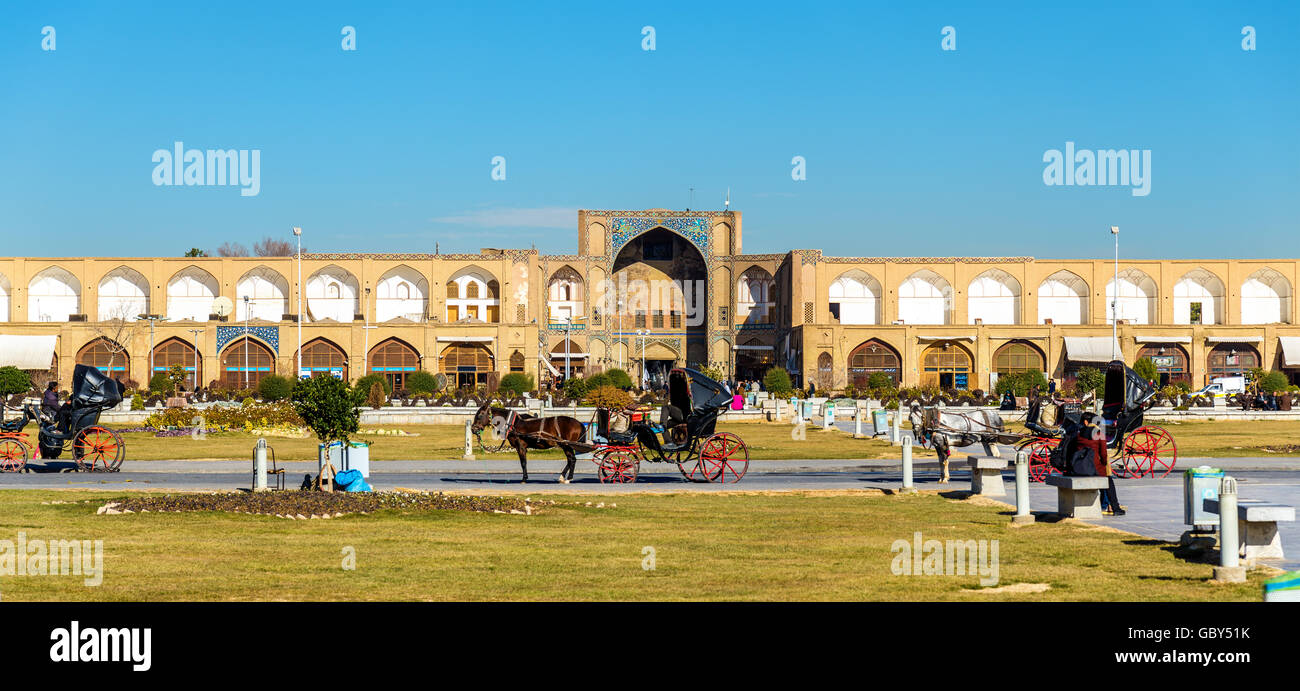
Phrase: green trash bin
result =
(1199, 484)
(1284, 588)
(880, 421)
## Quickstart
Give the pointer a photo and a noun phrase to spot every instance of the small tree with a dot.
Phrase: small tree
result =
(575, 389)
(274, 387)
(376, 398)
(422, 383)
(777, 381)
(1146, 368)
(14, 381)
(713, 373)
(1089, 380)
(610, 397)
(325, 405)
(160, 384)
(598, 380)
(516, 383)
(880, 381)
(176, 374)
(619, 378)
(1273, 382)
(196, 252)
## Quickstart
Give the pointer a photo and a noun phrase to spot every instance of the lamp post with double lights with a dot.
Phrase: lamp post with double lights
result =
(297, 232)
(151, 318)
(1114, 301)
(196, 333)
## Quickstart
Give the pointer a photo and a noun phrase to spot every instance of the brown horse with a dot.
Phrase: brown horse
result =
(524, 432)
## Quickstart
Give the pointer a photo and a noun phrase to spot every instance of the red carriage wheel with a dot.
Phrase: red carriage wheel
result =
(618, 466)
(1152, 450)
(1040, 463)
(13, 455)
(98, 449)
(724, 458)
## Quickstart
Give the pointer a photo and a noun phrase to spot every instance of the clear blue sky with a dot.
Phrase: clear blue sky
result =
(910, 150)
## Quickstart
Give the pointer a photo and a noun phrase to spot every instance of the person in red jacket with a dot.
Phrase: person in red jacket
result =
(1093, 436)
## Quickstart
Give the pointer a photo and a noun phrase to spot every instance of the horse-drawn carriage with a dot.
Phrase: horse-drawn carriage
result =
(620, 440)
(94, 447)
(1139, 450)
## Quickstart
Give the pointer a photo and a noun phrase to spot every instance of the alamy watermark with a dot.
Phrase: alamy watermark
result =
(213, 167)
(921, 557)
(38, 557)
(1103, 167)
(680, 302)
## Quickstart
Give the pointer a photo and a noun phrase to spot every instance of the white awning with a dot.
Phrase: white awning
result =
(1163, 339)
(27, 352)
(549, 366)
(465, 339)
(1092, 348)
(1290, 351)
(946, 338)
(560, 356)
(752, 347)
(1234, 339)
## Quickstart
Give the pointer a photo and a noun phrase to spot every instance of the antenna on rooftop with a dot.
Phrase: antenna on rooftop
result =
(727, 204)
(692, 202)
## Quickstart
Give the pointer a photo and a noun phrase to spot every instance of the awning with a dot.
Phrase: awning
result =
(560, 356)
(27, 352)
(1092, 348)
(549, 366)
(1290, 351)
(1234, 339)
(1163, 339)
(946, 338)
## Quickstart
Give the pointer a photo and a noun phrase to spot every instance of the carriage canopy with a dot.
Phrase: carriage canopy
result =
(690, 391)
(90, 388)
(1126, 391)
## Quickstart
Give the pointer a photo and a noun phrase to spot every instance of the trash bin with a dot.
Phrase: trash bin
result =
(1284, 588)
(880, 421)
(354, 455)
(1199, 484)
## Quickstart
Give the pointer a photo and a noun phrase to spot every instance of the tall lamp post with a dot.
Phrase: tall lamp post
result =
(365, 352)
(297, 232)
(196, 333)
(151, 318)
(1114, 301)
(568, 330)
(641, 334)
(246, 311)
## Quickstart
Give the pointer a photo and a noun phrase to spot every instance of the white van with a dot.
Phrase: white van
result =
(1224, 386)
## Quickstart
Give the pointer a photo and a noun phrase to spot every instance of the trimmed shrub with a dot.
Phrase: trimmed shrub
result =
(137, 402)
(275, 387)
(596, 381)
(422, 383)
(376, 398)
(575, 389)
(14, 381)
(777, 381)
(516, 383)
(160, 384)
(1019, 383)
(610, 397)
(880, 380)
(1089, 380)
(1272, 382)
(619, 378)
(361, 389)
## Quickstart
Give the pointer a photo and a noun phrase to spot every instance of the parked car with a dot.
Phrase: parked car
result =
(1224, 386)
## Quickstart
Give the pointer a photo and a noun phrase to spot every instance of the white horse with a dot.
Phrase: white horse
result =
(943, 429)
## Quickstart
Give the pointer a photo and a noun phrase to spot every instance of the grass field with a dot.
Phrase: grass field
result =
(765, 441)
(782, 546)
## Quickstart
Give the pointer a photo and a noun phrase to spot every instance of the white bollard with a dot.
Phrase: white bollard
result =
(857, 424)
(908, 488)
(469, 442)
(894, 436)
(1023, 514)
(259, 460)
(1229, 569)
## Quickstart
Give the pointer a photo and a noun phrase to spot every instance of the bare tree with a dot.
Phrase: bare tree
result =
(271, 247)
(117, 332)
(232, 249)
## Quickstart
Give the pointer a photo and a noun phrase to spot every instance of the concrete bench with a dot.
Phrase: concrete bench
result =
(1078, 496)
(986, 475)
(1258, 527)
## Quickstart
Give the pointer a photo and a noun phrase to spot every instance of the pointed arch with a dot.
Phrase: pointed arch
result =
(267, 293)
(1018, 356)
(178, 351)
(1199, 298)
(478, 296)
(333, 293)
(994, 298)
(190, 293)
(245, 362)
(395, 359)
(1137, 295)
(1266, 297)
(870, 357)
(925, 297)
(401, 293)
(53, 295)
(109, 356)
(322, 357)
(855, 298)
(1063, 298)
(123, 294)
(566, 296)
(754, 300)
(946, 365)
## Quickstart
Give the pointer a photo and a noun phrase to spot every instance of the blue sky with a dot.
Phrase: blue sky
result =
(910, 150)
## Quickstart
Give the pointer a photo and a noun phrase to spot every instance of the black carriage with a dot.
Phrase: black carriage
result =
(1138, 449)
(685, 435)
(74, 425)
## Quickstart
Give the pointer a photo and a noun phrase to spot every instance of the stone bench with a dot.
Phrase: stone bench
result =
(1078, 496)
(986, 475)
(1258, 527)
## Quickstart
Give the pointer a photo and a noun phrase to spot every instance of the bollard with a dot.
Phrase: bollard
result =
(469, 442)
(1023, 514)
(857, 424)
(894, 436)
(907, 488)
(1229, 569)
(259, 461)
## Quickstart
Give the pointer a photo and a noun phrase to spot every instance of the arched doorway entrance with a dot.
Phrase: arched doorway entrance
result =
(946, 365)
(395, 360)
(174, 351)
(320, 358)
(869, 358)
(467, 364)
(753, 358)
(1170, 360)
(245, 362)
(661, 289)
(1231, 360)
(576, 357)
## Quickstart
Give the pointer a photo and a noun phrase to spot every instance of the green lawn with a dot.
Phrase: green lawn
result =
(736, 546)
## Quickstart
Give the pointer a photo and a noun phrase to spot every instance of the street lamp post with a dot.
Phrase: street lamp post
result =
(1114, 300)
(151, 318)
(365, 351)
(297, 232)
(246, 311)
(641, 334)
(568, 330)
(195, 333)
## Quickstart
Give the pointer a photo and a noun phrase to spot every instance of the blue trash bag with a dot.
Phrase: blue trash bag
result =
(351, 481)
